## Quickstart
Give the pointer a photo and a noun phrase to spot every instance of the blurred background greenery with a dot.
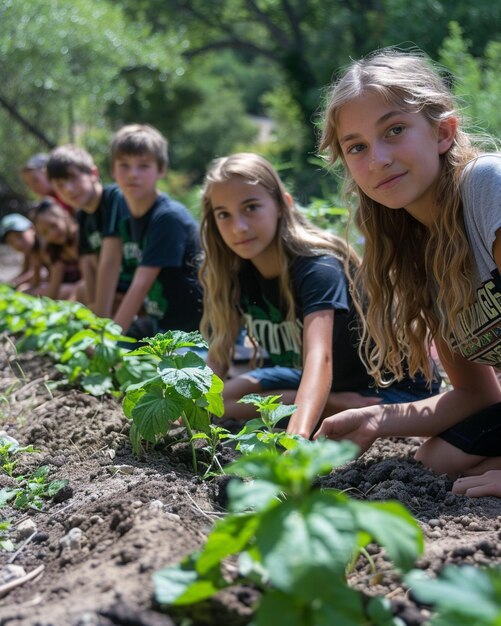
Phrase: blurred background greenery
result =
(218, 76)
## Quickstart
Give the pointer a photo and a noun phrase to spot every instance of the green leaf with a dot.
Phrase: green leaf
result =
(192, 380)
(41, 473)
(153, 415)
(303, 546)
(131, 398)
(380, 612)
(282, 411)
(97, 384)
(182, 584)
(55, 486)
(198, 417)
(391, 525)
(256, 495)
(230, 535)
(6, 495)
(280, 609)
(464, 595)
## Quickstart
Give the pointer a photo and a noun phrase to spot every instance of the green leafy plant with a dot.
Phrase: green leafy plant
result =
(33, 490)
(182, 388)
(5, 543)
(92, 355)
(260, 433)
(212, 441)
(461, 596)
(9, 451)
(294, 542)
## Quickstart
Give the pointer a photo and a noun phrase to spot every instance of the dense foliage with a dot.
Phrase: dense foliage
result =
(217, 77)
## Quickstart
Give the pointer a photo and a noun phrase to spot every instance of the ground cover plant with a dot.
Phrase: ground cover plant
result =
(93, 552)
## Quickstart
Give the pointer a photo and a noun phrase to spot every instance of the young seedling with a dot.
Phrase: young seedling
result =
(33, 490)
(93, 354)
(9, 451)
(5, 543)
(182, 387)
(294, 542)
(261, 433)
(212, 440)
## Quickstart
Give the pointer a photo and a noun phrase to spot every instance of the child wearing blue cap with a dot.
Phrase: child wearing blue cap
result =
(18, 232)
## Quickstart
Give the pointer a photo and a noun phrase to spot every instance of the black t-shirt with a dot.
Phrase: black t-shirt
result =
(167, 237)
(94, 227)
(319, 283)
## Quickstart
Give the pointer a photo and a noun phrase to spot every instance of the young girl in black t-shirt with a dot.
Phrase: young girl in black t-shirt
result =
(266, 267)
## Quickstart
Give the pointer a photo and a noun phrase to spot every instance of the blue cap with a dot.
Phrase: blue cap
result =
(13, 222)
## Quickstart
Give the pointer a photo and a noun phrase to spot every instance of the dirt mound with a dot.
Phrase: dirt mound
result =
(120, 519)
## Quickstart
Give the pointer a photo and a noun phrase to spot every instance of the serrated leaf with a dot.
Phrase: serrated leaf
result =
(153, 415)
(190, 382)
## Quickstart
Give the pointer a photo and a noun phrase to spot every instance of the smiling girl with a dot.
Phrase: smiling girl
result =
(427, 204)
(267, 268)
(58, 232)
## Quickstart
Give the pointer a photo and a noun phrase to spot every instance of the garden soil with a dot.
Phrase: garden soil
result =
(91, 551)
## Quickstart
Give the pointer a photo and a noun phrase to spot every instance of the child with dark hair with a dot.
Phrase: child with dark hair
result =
(99, 212)
(58, 231)
(18, 232)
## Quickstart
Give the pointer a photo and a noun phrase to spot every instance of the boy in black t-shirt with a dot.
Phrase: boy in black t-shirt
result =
(165, 233)
(100, 209)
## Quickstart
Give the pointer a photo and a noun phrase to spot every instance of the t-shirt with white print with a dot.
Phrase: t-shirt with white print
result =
(477, 334)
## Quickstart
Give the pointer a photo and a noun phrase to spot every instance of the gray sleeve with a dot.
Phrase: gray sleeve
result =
(481, 191)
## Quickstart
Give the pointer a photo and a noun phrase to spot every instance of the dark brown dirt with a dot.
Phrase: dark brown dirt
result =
(120, 519)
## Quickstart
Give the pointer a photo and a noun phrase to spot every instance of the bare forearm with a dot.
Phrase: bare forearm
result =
(310, 399)
(431, 416)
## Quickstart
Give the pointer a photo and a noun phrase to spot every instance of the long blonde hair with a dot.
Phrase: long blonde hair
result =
(417, 279)
(296, 236)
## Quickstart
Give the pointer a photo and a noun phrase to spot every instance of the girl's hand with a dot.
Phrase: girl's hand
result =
(487, 484)
(358, 425)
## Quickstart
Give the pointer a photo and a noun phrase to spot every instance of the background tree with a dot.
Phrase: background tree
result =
(206, 73)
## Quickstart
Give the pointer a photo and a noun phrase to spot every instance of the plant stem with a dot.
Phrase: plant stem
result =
(186, 423)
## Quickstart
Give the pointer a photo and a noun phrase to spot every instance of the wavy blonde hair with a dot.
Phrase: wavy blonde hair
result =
(296, 236)
(417, 279)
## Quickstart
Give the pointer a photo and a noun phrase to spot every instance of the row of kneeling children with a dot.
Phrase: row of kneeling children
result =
(302, 294)
(255, 262)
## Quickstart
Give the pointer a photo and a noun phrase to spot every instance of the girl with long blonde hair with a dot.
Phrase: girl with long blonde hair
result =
(268, 269)
(427, 204)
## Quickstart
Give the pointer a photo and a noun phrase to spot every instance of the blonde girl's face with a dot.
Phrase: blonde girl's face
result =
(393, 155)
(52, 228)
(246, 217)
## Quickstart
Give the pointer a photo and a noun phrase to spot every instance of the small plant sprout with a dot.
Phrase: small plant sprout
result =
(212, 442)
(182, 387)
(294, 542)
(9, 453)
(6, 544)
(33, 490)
(93, 354)
(261, 433)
